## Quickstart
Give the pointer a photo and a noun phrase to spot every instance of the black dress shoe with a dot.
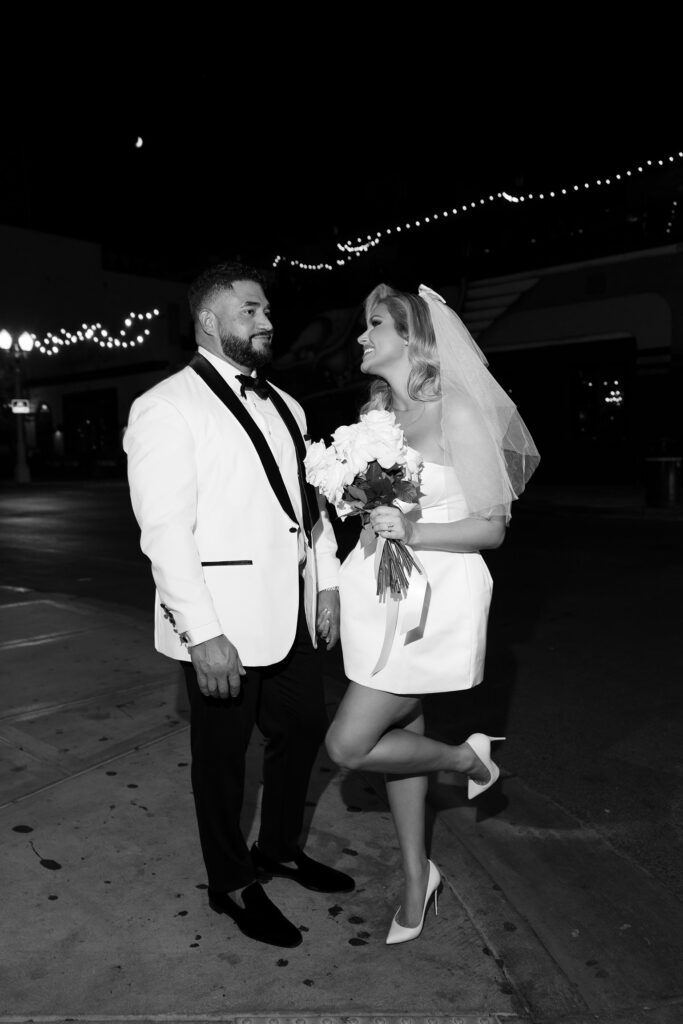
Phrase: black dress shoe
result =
(309, 873)
(259, 918)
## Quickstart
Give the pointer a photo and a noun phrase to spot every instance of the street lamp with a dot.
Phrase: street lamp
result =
(19, 349)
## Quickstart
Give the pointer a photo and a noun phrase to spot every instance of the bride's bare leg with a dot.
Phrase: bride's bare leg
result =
(407, 796)
(361, 736)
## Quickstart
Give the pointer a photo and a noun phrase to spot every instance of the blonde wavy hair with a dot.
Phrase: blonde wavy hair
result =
(413, 323)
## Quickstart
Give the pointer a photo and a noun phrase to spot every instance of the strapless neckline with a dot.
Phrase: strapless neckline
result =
(425, 462)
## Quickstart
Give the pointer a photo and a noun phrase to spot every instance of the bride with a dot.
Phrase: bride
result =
(477, 456)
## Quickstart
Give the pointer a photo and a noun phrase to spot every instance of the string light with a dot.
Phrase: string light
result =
(54, 342)
(672, 216)
(353, 249)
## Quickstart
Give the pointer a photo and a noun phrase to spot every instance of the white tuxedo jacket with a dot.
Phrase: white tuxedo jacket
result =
(224, 554)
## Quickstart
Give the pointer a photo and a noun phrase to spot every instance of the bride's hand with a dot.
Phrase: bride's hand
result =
(389, 522)
(327, 622)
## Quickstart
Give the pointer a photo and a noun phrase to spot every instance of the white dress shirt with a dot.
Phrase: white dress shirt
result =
(269, 421)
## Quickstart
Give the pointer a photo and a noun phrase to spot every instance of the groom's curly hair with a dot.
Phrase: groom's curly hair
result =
(220, 278)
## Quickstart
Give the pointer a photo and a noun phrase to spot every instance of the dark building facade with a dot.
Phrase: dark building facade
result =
(590, 351)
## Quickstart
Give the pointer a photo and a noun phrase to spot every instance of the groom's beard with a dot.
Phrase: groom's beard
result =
(241, 351)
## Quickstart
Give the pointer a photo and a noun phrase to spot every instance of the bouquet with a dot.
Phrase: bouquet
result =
(367, 465)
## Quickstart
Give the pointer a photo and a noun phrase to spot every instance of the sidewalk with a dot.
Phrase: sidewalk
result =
(105, 906)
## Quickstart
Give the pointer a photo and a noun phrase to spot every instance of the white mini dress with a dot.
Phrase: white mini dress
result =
(446, 651)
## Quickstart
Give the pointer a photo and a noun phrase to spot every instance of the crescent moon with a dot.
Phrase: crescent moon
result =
(138, 142)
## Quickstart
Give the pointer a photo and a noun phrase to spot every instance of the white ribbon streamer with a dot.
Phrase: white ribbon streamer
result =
(413, 605)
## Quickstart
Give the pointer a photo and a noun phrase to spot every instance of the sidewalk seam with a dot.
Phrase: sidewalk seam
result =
(86, 771)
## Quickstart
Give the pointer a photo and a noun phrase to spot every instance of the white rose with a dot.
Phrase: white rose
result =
(379, 419)
(365, 446)
(413, 464)
(344, 437)
(389, 455)
(385, 432)
(335, 472)
(315, 459)
(356, 462)
(350, 472)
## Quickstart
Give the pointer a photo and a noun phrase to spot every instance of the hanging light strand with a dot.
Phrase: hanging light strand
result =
(352, 249)
(135, 330)
(672, 217)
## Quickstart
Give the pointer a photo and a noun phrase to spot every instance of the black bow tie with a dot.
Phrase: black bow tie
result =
(255, 384)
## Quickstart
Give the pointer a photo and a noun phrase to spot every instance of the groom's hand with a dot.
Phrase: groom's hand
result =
(327, 621)
(218, 667)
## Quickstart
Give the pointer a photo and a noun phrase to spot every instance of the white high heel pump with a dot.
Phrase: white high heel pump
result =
(481, 745)
(398, 932)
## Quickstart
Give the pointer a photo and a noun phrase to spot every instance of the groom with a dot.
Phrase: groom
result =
(245, 566)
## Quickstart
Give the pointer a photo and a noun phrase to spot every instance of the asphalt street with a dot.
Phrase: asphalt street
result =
(584, 667)
(562, 892)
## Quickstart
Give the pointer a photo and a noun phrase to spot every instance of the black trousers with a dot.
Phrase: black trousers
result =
(287, 703)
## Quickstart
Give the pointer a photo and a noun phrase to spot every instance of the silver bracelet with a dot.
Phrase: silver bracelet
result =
(327, 588)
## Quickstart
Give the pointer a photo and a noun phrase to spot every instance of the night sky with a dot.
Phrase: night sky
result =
(251, 156)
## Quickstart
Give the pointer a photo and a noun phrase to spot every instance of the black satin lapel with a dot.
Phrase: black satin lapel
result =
(309, 501)
(212, 378)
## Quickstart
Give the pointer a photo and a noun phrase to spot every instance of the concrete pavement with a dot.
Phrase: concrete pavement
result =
(105, 913)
